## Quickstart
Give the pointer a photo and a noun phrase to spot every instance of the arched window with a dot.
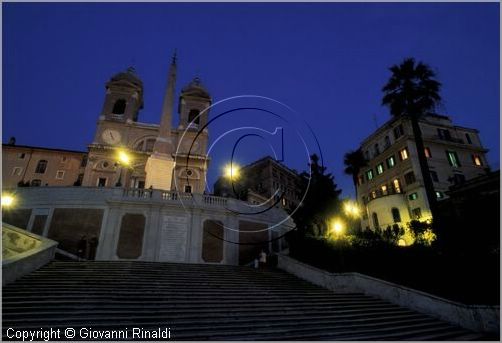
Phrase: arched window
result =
(41, 167)
(194, 115)
(396, 215)
(375, 220)
(145, 145)
(149, 144)
(119, 107)
(139, 146)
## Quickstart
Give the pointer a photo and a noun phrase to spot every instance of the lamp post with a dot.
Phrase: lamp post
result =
(123, 160)
(8, 201)
(232, 171)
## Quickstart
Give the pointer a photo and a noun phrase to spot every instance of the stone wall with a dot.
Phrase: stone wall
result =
(17, 217)
(149, 225)
(479, 318)
(253, 238)
(132, 230)
(212, 241)
(70, 225)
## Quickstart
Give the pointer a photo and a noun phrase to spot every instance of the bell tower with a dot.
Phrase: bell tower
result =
(193, 104)
(124, 97)
(191, 148)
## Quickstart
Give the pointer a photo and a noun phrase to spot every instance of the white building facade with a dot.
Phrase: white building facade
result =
(390, 188)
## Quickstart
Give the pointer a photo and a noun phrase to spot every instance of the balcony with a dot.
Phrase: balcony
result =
(380, 194)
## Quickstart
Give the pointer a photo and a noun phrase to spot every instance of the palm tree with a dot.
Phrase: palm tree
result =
(412, 91)
(354, 161)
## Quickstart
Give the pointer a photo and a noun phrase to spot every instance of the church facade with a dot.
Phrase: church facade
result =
(161, 156)
(138, 193)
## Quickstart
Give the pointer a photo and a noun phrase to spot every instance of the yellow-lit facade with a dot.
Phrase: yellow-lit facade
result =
(397, 195)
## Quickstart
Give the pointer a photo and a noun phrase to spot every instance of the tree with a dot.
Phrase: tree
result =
(412, 91)
(354, 161)
(321, 198)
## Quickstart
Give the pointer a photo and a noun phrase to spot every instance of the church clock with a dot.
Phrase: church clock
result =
(111, 137)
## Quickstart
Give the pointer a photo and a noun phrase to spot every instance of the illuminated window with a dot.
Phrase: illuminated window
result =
(439, 195)
(41, 167)
(409, 178)
(391, 162)
(384, 190)
(369, 175)
(373, 194)
(453, 159)
(403, 154)
(477, 160)
(413, 196)
(427, 152)
(379, 168)
(397, 186)
(283, 202)
(396, 215)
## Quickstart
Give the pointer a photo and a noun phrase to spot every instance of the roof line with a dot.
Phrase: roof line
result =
(41, 148)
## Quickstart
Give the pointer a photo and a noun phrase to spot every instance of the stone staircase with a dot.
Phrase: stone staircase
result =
(201, 302)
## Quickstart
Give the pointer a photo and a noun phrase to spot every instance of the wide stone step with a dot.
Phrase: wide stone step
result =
(159, 321)
(146, 314)
(259, 333)
(200, 302)
(236, 310)
(39, 302)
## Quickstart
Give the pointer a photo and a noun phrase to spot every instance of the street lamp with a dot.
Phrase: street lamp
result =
(123, 159)
(232, 171)
(337, 227)
(7, 201)
(351, 209)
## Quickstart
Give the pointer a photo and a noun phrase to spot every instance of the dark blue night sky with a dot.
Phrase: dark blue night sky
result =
(328, 62)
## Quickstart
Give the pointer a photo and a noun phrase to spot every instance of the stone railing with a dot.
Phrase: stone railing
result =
(480, 318)
(29, 197)
(214, 200)
(185, 198)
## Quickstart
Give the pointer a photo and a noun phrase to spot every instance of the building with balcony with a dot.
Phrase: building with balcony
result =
(390, 188)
